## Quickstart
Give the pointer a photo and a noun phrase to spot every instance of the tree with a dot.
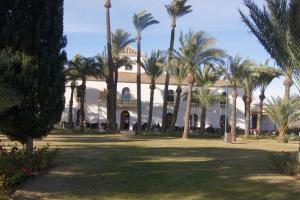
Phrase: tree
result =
(265, 76)
(177, 70)
(34, 42)
(205, 78)
(153, 68)
(276, 26)
(237, 66)
(196, 50)
(72, 76)
(284, 113)
(85, 67)
(141, 21)
(120, 40)
(249, 83)
(111, 105)
(176, 9)
(8, 96)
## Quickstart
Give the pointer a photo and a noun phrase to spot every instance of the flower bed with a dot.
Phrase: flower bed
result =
(16, 165)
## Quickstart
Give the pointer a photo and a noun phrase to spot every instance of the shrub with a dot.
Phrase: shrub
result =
(286, 163)
(17, 164)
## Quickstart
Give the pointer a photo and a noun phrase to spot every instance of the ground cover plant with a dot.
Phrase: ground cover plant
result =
(17, 164)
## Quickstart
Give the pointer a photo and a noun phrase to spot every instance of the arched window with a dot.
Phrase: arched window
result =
(126, 95)
(170, 97)
(223, 100)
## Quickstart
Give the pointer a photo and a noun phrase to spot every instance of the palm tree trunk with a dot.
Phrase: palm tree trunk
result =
(260, 111)
(190, 80)
(203, 119)
(247, 118)
(82, 111)
(110, 92)
(288, 82)
(233, 115)
(152, 88)
(138, 84)
(71, 124)
(164, 112)
(176, 107)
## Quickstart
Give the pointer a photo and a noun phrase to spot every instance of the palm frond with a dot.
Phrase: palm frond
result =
(178, 8)
(142, 20)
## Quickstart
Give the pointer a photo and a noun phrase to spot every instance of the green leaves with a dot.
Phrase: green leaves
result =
(178, 8)
(142, 20)
(153, 65)
(284, 113)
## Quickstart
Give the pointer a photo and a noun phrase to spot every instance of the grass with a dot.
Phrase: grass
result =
(138, 167)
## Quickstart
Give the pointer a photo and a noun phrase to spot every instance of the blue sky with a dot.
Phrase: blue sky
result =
(84, 25)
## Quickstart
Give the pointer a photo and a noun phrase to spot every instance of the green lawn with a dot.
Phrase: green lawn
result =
(135, 167)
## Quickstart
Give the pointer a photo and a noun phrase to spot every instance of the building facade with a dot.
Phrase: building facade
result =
(95, 102)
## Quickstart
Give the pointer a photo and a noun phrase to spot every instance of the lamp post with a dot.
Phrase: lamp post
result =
(226, 135)
(98, 120)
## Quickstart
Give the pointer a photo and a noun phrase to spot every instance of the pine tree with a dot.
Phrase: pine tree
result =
(31, 33)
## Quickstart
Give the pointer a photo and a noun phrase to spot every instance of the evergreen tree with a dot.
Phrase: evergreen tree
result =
(31, 33)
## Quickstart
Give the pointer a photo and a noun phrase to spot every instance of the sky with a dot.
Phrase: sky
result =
(84, 26)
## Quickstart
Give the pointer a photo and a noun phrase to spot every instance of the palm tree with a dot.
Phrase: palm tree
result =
(86, 67)
(205, 99)
(176, 9)
(249, 83)
(196, 50)
(111, 109)
(266, 75)
(120, 40)
(141, 21)
(284, 113)
(276, 26)
(153, 68)
(205, 78)
(177, 70)
(237, 66)
(72, 76)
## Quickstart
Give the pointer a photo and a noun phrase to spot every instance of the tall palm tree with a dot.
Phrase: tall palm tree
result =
(176, 9)
(265, 76)
(153, 68)
(72, 76)
(177, 70)
(111, 109)
(205, 78)
(249, 84)
(276, 26)
(141, 21)
(284, 113)
(237, 66)
(86, 67)
(196, 50)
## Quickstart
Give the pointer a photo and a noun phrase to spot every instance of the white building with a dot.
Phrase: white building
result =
(95, 105)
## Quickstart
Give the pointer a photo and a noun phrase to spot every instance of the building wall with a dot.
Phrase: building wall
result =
(95, 108)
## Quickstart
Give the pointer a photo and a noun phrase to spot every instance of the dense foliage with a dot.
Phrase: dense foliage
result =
(31, 35)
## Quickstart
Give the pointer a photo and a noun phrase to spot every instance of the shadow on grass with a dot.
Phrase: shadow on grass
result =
(137, 172)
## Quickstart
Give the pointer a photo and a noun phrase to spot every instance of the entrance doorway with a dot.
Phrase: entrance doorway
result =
(125, 120)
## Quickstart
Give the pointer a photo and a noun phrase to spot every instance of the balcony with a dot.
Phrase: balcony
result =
(127, 103)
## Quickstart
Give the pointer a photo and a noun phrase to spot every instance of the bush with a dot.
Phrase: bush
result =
(286, 163)
(179, 134)
(17, 164)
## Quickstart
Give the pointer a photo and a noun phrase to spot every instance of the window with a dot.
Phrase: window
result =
(170, 97)
(223, 101)
(125, 95)
(128, 68)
